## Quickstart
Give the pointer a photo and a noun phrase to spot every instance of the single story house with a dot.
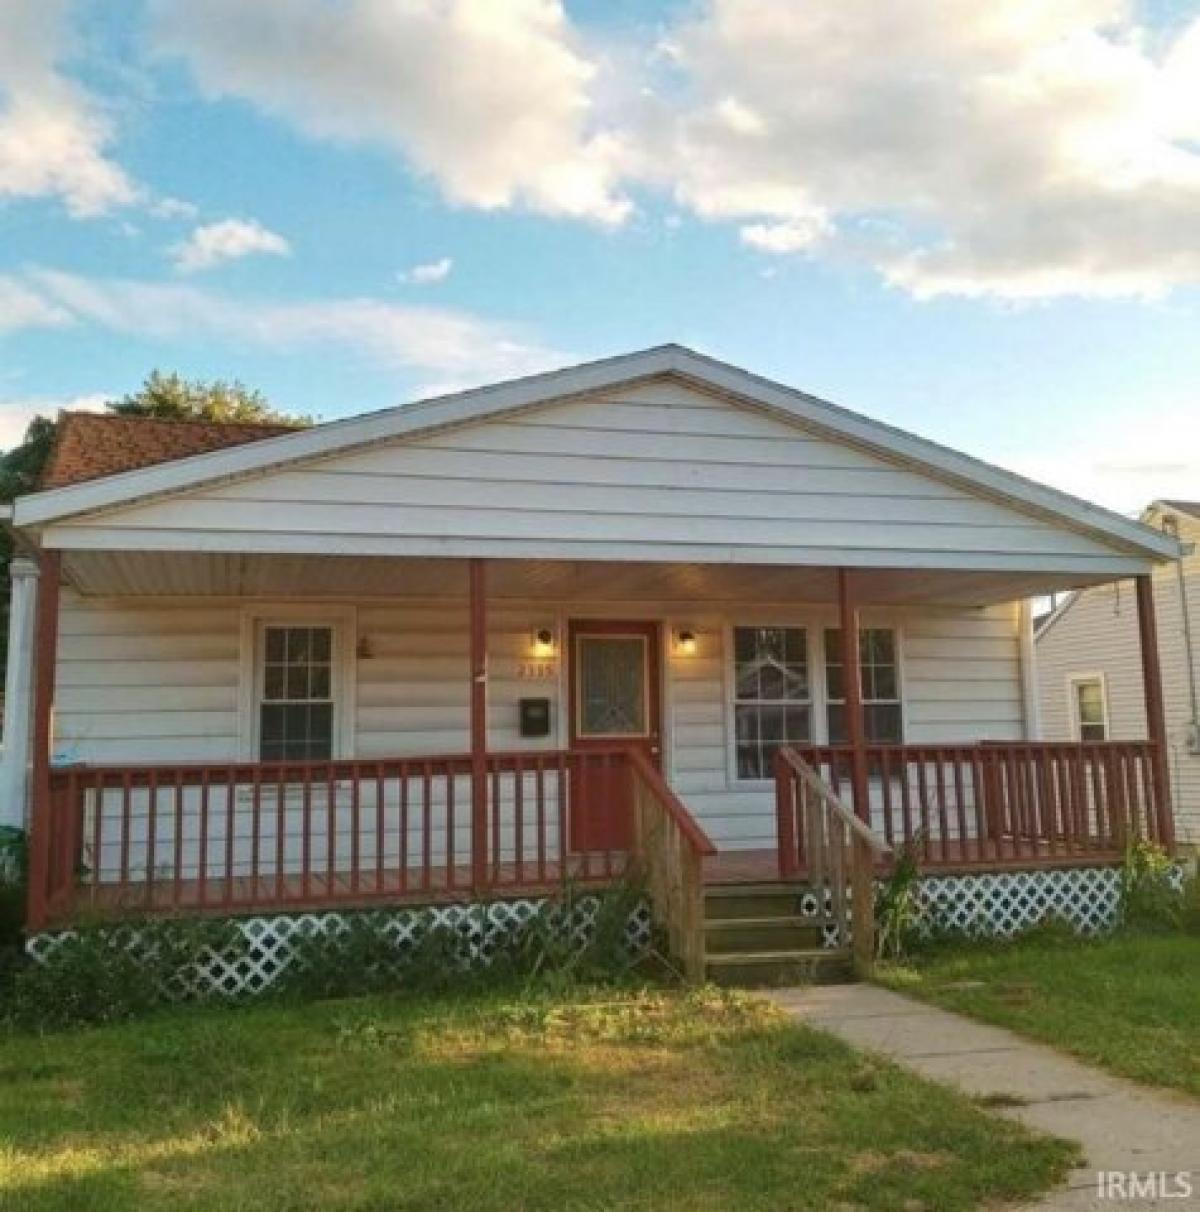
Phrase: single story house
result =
(1089, 672)
(474, 645)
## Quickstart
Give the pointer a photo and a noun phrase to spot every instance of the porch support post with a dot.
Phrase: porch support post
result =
(862, 896)
(18, 694)
(40, 823)
(852, 677)
(1156, 725)
(477, 576)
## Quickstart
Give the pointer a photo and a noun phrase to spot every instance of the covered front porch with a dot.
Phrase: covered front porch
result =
(571, 773)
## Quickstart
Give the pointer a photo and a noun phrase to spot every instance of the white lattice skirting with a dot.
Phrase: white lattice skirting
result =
(263, 948)
(1003, 904)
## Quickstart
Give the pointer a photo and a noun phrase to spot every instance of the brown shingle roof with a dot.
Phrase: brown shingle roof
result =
(89, 445)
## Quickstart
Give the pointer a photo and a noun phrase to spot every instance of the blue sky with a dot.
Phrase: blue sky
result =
(982, 224)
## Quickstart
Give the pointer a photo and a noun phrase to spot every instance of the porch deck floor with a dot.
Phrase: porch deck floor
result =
(957, 857)
(449, 883)
(320, 892)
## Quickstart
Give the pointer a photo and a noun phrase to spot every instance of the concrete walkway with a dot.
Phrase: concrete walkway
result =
(1121, 1126)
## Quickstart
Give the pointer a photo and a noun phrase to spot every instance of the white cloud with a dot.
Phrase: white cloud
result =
(172, 208)
(427, 274)
(443, 344)
(1021, 148)
(54, 136)
(23, 307)
(491, 100)
(227, 240)
(15, 414)
(786, 235)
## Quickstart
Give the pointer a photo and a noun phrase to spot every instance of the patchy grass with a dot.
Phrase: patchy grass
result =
(1130, 1003)
(604, 1100)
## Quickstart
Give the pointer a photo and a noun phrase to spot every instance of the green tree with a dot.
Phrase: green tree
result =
(168, 397)
(21, 467)
(174, 398)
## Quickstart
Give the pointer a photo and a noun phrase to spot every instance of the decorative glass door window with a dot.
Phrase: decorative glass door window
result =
(883, 713)
(612, 689)
(296, 707)
(772, 703)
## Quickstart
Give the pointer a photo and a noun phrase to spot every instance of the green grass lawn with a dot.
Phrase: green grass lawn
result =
(602, 1100)
(1130, 1004)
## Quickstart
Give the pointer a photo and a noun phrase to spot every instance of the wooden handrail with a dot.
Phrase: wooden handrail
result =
(839, 850)
(246, 836)
(857, 826)
(672, 804)
(670, 847)
(986, 804)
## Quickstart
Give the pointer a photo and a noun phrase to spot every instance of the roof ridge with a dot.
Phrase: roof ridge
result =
(137, 419)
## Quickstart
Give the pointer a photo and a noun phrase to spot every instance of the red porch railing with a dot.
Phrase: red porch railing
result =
(244, 836)
(990, 804)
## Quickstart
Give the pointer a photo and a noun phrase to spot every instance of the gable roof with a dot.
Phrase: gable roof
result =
(1188, 507)
(1043, 624)
(1158, 505)
(789, 404)
(92, 445)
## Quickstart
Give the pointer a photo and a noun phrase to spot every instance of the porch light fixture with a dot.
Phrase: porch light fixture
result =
(363, 649)
(543, 643)
(685, 642)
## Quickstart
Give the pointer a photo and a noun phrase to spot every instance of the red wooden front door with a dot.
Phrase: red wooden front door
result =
(615, 702)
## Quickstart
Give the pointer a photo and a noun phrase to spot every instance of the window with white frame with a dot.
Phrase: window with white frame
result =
(296, 700)
(883, 709)
(772, 696)
(1091, 710)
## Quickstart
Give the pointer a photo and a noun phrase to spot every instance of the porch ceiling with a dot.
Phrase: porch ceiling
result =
(216, 574)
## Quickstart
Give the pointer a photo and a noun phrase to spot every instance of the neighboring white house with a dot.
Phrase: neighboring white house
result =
(1089, 667)
(664, 537)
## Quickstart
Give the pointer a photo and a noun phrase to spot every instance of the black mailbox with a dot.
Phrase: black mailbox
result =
(534, 715)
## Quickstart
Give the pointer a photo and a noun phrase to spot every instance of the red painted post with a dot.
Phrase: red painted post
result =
(41, 824)
(852, 689)
(477, 575)
(1156, 726)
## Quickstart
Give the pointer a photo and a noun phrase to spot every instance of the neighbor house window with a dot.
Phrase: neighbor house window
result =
(883, 712)
(296, 702)
(772, 703)
(1091, 714)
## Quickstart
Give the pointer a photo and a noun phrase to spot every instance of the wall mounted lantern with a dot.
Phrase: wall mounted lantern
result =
(543, 643)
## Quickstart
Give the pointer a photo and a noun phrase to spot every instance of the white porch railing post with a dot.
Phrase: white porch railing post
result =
(18, 694)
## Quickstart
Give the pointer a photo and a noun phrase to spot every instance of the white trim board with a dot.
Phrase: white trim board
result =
(788, 404)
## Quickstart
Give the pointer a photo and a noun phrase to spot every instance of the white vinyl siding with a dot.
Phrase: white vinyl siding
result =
(162, 682)
(144, 683)
(655, 471)
(1098, 633)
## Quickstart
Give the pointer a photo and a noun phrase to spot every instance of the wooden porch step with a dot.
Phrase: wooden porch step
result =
(807, 966)
(739, 901)
(756, 935)
(724, 936)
